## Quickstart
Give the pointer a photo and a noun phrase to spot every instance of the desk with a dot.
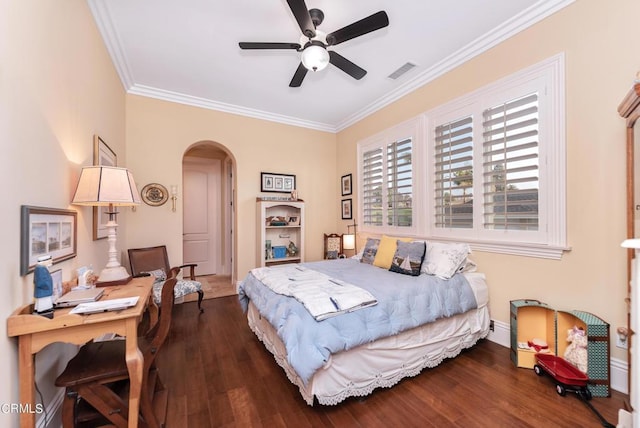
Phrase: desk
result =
(34, 332)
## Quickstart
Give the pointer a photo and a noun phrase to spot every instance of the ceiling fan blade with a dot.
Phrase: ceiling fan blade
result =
(366, 25)
(301, 13)
(268, 45)
(298, 77)
(347, 66)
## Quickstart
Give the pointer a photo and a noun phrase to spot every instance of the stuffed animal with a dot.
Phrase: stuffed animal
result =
(576, 352)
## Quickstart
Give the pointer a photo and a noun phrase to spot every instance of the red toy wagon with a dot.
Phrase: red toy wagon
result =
(567, 376)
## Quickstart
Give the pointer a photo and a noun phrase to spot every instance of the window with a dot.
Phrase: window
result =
(510, 165)
(386, 180)
(488, 169)
(454, 174)
(495, 174)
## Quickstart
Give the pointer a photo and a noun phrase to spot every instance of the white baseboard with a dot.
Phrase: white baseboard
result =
(618, 368)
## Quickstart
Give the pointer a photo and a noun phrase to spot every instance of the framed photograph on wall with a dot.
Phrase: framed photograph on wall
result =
(347, 208)
(102, 155)
(346, 184)
(46, 231)
(281, 183)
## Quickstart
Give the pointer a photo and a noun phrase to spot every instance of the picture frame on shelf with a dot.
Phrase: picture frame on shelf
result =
(275, 182)
(294, 221)
(347, 209)
(56, 278)
(102, 155)
(346, 184)
(46, 231)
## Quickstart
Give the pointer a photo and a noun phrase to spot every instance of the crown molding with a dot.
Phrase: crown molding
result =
(179, 98)
(518, 23)
(535, 13)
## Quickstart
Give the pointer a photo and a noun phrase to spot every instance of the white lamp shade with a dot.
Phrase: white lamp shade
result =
(315, 57)
(105, 185)
(349, 242)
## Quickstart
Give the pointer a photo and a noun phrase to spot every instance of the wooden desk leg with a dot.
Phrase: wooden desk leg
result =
(26, 370)
(135, 363)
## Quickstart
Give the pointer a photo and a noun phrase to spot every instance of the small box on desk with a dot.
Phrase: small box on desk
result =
(279, 252)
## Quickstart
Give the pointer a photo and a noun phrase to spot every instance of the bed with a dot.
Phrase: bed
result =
(415, 323)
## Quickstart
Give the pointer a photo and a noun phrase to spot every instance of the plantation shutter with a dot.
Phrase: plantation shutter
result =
(454, 174)
(399, 184)
(511, 164)
(372, 169)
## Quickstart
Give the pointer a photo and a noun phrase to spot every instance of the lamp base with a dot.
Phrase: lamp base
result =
(113, 276)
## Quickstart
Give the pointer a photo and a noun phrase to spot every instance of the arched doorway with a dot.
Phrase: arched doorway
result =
(208, 180)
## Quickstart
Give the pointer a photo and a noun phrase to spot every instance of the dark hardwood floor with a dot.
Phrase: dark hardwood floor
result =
(220, 375)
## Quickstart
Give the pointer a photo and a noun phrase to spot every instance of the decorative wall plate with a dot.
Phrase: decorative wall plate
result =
(154, 194)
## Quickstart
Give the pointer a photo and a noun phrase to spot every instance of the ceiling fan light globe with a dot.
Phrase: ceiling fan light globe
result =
(315, 58)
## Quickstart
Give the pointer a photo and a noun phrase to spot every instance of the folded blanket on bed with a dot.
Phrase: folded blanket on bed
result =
(404, 302)
(322, 295)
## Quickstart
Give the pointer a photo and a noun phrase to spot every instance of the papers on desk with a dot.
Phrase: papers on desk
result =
(105, 305)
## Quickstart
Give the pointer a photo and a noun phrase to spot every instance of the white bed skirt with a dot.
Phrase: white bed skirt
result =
(383, 363)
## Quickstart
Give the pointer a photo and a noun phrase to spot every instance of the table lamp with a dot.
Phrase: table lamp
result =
(108, 186)
(349, 239)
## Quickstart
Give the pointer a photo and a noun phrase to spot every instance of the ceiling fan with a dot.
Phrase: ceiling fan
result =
(314, 43)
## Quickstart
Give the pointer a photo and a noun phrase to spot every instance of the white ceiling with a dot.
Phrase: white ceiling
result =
(187, 51)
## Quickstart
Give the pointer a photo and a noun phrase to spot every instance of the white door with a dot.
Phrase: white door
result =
(202, 195)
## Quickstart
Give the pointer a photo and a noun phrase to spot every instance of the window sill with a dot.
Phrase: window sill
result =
(520, 249)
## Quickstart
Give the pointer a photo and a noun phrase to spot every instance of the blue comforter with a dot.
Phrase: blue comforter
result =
(404, 302)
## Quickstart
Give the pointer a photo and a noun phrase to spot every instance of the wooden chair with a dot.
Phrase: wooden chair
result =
(96, 380)
(332, 246)
(155, 261)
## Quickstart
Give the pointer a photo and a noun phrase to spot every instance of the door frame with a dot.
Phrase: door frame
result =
(228, 201)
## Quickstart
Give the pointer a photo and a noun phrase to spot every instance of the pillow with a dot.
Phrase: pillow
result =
(444, 259)
(370, 250)
(386, 250)
(468, 266)
(159, 274)
(332, 254)
(408, 258)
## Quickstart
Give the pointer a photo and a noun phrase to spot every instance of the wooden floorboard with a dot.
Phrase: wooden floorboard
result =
(219, 375)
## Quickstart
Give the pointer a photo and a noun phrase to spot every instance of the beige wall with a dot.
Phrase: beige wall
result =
(58, 88)
(600, 67)
(158, 135)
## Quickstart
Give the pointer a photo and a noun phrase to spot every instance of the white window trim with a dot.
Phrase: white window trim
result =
(548, 243)
(552, 181)
(410, 128)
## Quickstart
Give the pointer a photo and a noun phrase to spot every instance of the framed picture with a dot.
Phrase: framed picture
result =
(154, 194)
(56, 277)
(281, 183)
(102, 155)
(46, 231)
(346, 184)
(347, 209)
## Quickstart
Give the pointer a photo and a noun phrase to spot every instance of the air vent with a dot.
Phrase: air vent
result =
(402, 70)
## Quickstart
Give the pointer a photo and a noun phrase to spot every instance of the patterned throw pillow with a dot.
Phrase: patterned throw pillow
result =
(444, 259)
(370, 250)
(408, 258)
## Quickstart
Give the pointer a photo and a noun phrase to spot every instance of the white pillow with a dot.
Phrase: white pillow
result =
(444, 259)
